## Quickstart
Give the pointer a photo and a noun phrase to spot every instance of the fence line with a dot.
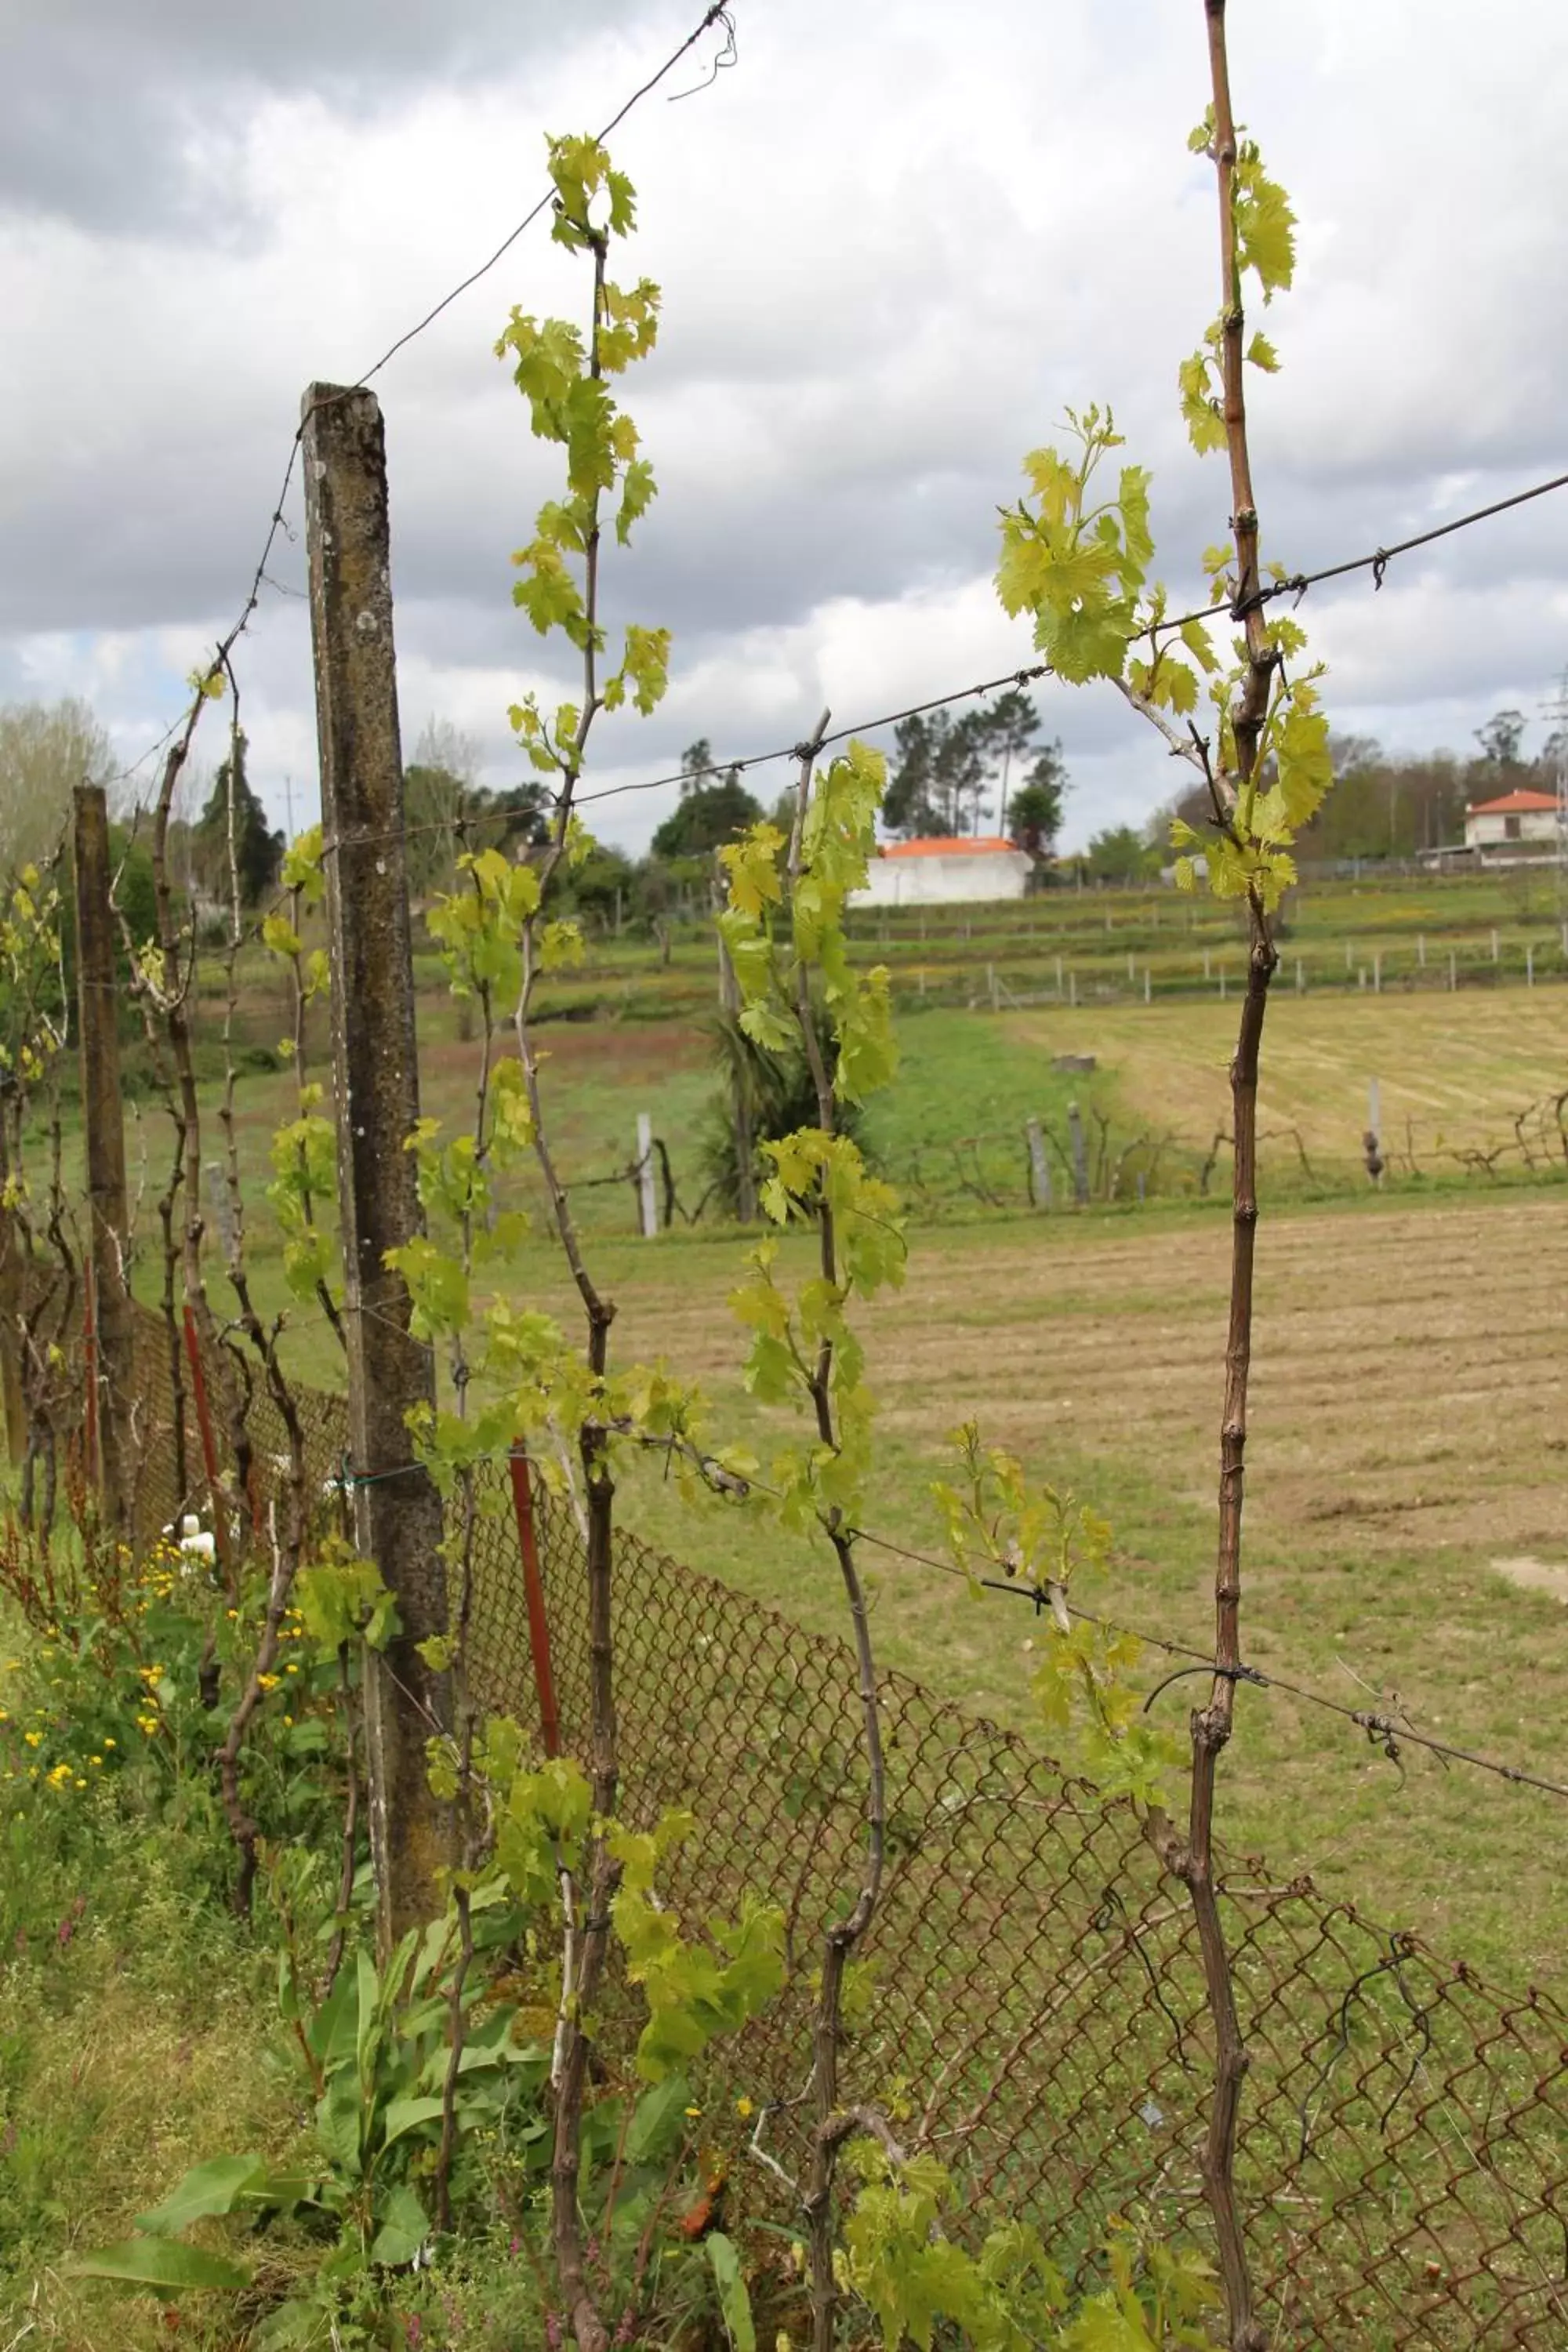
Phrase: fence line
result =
(1403, 2162)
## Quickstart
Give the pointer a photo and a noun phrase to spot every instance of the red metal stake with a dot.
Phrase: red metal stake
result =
(534, 1586)
(89, 1368)
(204, 1423)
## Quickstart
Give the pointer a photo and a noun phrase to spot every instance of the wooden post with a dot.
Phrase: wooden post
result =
(1207, 974)
(1059, 972)
(398, 1511)
(745, 1143)
(1495, 948)
(89, 1376)
(1453, 970)
(1148, 986)
(1080, 1156)
(1378, 971)
(647, 1206)
(533, 1592)
(104, 1120)
(11, 1303)
(1529, 966)
(1421, 949)
(204, 1431)
(1040, 1166)
(1301, 979)
(1072, 989)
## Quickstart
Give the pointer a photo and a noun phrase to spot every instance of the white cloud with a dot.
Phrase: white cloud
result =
(892, 246)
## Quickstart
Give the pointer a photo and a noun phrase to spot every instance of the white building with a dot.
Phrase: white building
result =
(1517, 817)
(945, 872)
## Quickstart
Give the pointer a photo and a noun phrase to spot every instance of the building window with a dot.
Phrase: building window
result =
(1510, 825)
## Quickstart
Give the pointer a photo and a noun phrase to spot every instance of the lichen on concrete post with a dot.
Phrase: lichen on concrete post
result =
(376, 1083)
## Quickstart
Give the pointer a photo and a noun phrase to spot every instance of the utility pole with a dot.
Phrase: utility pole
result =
(99, 1031)
(376, 1076)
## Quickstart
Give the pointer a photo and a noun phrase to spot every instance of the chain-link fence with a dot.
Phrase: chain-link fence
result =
(1033, 1995)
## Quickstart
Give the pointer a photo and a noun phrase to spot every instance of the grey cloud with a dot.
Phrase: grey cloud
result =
(120, 115)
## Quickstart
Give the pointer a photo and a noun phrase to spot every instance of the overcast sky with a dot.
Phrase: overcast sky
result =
(893, 242)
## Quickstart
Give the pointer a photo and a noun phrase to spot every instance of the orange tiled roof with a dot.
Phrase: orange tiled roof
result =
(954, 846)
(1517, 804)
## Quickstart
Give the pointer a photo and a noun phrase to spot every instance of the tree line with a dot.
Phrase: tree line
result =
(982, 769)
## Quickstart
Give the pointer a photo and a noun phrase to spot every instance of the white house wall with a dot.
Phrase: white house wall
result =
(1491, 832)
(939, 881)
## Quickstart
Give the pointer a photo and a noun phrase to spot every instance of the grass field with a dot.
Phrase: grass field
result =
(1411, 1376)
(1409, 1371)
(1452, 1070)
(1454, 1073)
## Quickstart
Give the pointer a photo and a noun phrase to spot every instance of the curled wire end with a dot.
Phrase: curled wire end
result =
(728, 56)
(1379, 566)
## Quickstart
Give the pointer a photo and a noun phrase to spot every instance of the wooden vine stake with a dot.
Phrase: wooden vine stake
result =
(110, 1382)
(1192, 1861)
(1079, 561)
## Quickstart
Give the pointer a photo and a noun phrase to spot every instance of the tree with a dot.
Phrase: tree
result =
(943, 766)
(696, 765)
(1035, 818)
(257, 851)
(1008, 729)
(1501, 737)
(1120, 854)
(708, 815)
(909, 805)
(46, 748)
(938, 776)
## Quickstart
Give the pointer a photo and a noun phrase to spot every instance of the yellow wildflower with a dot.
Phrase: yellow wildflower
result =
(34, 1738)
(743, 2108)
(267, 1681)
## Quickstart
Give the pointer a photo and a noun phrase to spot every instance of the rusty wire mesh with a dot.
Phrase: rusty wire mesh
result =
(1034, 1984)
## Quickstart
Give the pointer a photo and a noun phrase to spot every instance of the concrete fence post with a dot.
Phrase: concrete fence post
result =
(397, 1510)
